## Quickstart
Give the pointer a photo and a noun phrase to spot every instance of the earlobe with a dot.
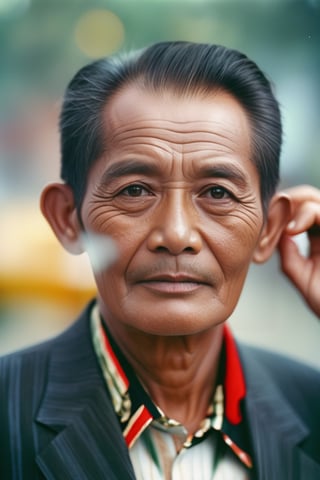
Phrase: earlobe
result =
(277, 218)
(58, 207)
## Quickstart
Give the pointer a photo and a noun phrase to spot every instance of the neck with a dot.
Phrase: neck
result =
(179, 372)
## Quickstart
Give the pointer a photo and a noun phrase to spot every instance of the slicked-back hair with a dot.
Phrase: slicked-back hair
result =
(184, 68)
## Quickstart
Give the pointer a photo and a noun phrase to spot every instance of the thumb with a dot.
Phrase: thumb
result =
(293, 264)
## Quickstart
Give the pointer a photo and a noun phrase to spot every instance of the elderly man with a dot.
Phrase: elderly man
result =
(173, 153)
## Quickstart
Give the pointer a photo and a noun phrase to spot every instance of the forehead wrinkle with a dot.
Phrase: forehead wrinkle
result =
(170, 134)
(208, 117)
(167, 130)
(144, 150)
(151, 144)
(168, 124)
(166, 149)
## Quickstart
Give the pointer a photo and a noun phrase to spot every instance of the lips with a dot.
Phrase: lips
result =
(173, 283)
(175, 278)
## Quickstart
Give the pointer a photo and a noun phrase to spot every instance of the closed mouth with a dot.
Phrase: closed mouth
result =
(173, 283)
(175, 278)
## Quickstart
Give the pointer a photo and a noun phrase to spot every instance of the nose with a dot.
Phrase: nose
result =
(175, 226)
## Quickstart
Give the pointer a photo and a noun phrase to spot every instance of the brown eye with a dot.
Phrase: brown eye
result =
(218, 193)
(134, 191)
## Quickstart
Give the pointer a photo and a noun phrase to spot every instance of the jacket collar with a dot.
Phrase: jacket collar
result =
(88, 441)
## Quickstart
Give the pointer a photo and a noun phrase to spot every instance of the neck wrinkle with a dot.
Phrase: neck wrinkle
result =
(179, 373)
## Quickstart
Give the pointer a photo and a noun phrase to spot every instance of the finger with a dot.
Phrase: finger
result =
(293, 264)
(303, 193)
(304, 218)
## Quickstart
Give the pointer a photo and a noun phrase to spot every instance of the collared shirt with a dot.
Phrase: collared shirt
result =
(160, 447)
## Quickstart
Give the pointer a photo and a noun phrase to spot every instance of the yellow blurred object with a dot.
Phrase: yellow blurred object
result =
(33, 264)
(99, 33)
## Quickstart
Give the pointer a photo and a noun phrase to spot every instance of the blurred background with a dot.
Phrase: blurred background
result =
(43, 43)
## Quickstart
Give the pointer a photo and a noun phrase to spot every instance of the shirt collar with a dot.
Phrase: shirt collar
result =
(136, 410)
(234, 382)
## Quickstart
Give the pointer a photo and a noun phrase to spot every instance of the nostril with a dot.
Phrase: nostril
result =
(161, 249)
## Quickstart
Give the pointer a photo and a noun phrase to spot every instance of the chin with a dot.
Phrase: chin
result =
(179, 325)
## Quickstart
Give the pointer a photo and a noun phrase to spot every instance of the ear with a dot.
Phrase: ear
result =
(277, 218)
(58, 207)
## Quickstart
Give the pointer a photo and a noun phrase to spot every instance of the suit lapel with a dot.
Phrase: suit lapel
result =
(88, 442)
(275, 428)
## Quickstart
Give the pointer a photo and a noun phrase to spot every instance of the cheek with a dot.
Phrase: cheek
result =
(234, 256)
(111, 284)
(129, 242)
(103, 219)
(233, 245)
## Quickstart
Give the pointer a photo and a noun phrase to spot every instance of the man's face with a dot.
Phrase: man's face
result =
(178, 193)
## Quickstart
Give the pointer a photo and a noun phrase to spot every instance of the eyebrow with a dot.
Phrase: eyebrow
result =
(229, 172)
(138, 167)
(128, 167)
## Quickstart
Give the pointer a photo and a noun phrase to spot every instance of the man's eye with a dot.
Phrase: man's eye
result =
(134, 191)
(218, 193)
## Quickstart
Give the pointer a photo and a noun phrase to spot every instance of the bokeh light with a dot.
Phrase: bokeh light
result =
(12, 7)
(99, 33)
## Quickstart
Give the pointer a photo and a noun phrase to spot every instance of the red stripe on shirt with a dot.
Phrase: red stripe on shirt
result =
(115, 361)
(138, 422)
(234, 382)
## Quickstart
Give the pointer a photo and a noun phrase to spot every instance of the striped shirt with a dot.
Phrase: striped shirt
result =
(160, 447)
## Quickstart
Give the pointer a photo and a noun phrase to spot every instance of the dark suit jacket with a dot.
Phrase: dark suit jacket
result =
(57, 421)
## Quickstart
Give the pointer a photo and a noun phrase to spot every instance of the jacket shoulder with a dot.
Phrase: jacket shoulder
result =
(291, 380)
(23, 381)
(287, 372)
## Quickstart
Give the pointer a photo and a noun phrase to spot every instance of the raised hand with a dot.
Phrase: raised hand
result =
(303, 271)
